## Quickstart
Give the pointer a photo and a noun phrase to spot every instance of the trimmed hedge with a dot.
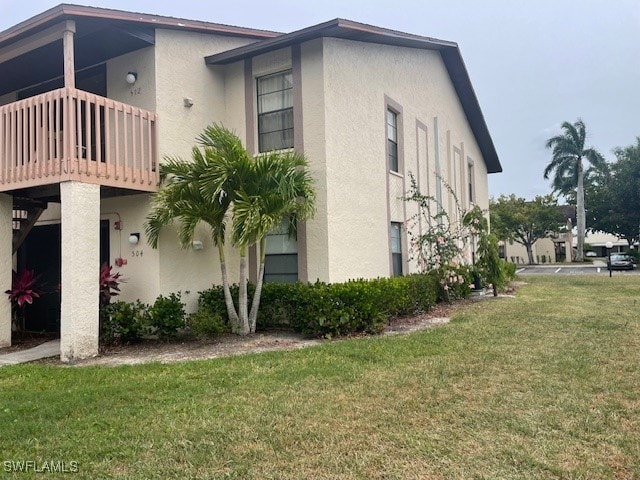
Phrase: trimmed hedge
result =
(206, 323)
(338, 309)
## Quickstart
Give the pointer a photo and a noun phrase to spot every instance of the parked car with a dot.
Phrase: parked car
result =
(591, 253)
(619, 261)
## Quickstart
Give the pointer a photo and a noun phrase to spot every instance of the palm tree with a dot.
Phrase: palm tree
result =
(566, 164)
(181, 198)
(265, 191)
(566, 184)
(230, 168)
(279, 189)
(224, 183)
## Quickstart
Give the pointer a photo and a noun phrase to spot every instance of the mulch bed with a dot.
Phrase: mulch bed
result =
(191, 348)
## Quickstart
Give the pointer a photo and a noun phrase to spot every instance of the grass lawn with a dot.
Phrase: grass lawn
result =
(546, 385)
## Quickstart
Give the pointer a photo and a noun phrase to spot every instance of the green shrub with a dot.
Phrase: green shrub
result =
(167, 315)
(123, 322)
(278, 305)
(344, 308)
(205, 323)
(509, 270)
(212, 299)
(392, 297)
(425, 289)
(338, 309)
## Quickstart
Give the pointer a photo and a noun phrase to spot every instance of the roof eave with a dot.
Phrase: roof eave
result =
(464, 88)
(66, 11)
(325, 29)
(283, 41)
(449, 50)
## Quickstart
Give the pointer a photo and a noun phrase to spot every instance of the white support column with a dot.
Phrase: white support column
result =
(79, 322)
(69, 56)
(6, 232)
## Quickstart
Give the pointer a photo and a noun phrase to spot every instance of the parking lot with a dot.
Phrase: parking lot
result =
(597, 268)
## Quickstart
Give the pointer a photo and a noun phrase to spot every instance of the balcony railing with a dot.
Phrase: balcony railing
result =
(70, 134)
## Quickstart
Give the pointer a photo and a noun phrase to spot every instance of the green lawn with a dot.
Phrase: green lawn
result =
(546, 385)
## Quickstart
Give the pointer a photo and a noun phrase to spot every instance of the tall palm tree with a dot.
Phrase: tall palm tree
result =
(568, 151)
(566, 185)
(230, 168)
(280, 188)
(266, 190)
(183, 198)
(223, 183)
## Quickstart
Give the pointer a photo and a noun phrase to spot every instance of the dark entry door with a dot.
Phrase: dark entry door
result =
(41, 252)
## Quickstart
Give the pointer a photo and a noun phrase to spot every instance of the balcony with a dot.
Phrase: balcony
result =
(70, 134)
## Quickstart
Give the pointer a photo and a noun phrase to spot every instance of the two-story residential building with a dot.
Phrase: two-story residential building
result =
(92, 99)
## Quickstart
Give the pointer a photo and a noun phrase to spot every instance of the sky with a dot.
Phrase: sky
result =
(533, 64)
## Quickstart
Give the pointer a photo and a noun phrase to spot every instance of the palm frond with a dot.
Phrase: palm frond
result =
(567, 152)
(223, 182)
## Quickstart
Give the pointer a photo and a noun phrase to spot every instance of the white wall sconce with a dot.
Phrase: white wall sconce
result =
(131, 78)
(188, 102)
(197, 245)
(134, 238)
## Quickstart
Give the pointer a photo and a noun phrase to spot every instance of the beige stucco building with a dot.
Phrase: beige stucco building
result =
(555, 248)
(92, 99)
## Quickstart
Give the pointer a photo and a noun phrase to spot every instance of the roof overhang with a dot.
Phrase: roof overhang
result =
(31, 51)
(349, 30)
(78, 12)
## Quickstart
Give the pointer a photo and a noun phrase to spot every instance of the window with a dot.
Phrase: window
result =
(396, 248)
(470, 181)
(275, 111)
(392, 140)
(281, 259)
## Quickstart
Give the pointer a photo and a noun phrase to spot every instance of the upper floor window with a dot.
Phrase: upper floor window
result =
(275, 111)
(470, 176)
(392, 140)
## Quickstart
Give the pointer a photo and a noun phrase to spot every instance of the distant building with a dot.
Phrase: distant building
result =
(554, 249)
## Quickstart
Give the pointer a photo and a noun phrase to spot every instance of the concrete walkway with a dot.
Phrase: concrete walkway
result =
(45, 350)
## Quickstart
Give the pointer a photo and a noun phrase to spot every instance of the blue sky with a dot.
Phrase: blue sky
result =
(533, 64)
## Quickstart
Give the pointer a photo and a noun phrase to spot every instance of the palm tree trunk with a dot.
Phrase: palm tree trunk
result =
(242, 300)
(255, 304)
(231, 309)
(581, 220)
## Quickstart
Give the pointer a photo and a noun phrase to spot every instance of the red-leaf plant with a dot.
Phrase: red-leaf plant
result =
(23, 288)
(109, 284)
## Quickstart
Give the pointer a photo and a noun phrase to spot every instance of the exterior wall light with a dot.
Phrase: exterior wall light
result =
(197, 245)
(131, 78)
(134, 238)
